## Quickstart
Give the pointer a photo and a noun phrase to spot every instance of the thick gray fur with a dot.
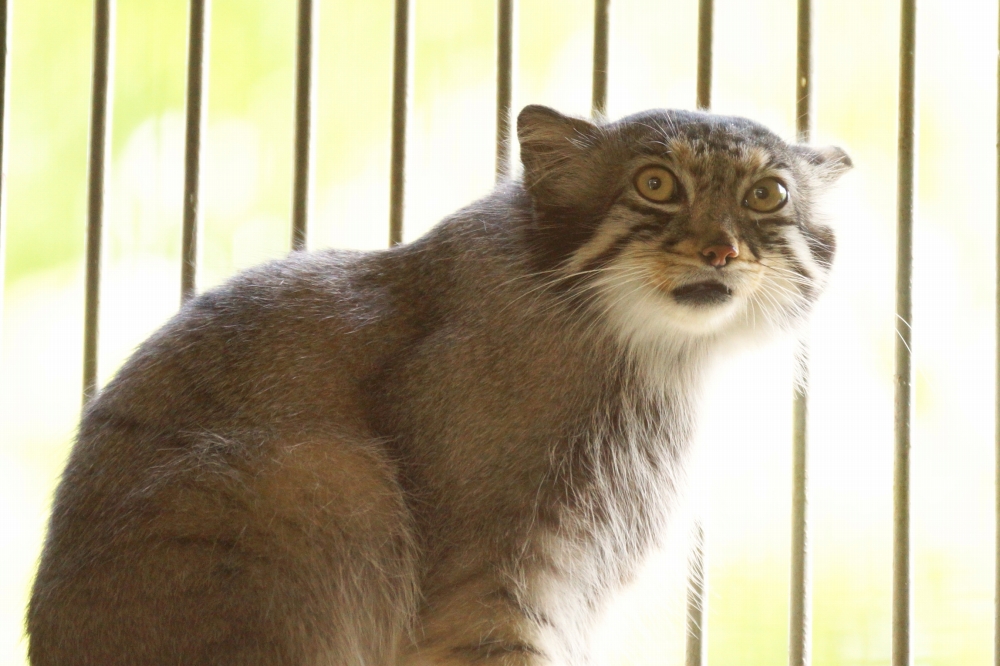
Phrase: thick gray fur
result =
(449, 452)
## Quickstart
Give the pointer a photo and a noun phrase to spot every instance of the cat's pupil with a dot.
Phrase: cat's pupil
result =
(654, 183)
(761, 193)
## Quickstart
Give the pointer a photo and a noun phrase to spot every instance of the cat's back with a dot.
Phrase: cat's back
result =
(289, 350)
(264, 345)
(304, 346)
(288, 340)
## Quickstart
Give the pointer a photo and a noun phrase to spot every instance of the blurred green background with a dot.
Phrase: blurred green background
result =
(742, 480)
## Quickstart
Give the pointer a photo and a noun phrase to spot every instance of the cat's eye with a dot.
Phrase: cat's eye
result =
(766, 196)
(656, 184)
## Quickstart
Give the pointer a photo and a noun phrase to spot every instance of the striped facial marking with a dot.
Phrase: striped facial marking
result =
(705, 219)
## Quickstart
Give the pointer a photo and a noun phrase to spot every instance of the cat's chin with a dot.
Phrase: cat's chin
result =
(694, 312)
(702, 312)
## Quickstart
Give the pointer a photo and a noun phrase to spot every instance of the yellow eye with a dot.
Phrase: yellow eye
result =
(656, 184)
(766, 196)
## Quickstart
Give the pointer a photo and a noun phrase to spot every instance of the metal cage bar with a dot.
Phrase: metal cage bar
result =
(996, 414)
(599, 87)
(800, 593)
(505, 84)
(800, 601)
(706, 11)
(305, 68)
(197, 103)
(4, 87)
(100, 120)
(697, 606)
(401, 61)
(696, 646)
(906, 176)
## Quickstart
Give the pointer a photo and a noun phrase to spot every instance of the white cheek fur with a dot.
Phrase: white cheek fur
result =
(651, 323)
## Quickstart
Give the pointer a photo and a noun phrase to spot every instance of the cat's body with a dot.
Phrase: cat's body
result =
(448, 452)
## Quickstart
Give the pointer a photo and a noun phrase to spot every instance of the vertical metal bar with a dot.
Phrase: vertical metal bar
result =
(800, 610)
(906, 170)
(705, 12)
(599, 89)
(197, 103)
(996, 415)
(800, 606)
(4, 44)
(803, 84)
(697, 643)
(305, 65)
(100, 120)
(505, 85)
(400, 97)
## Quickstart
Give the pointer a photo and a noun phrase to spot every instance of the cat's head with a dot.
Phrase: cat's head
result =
(676, 221)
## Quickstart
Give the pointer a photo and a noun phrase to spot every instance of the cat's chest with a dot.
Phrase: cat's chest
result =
(627, 473)
(635, 458)
(614, 514)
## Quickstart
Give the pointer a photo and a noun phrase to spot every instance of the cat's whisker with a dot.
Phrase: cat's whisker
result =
(777, 311)
(754, 305)
(788, 274)
(544, 286)
(902, 339)
(642, 283)
(794, 277)
(526, 276)
(794, 295)
(640, 280)
(594, 285)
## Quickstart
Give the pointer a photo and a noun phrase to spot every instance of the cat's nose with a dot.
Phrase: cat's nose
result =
(718, 255)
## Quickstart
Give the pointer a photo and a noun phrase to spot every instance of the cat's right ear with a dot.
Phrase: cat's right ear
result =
(829, 163)
(549, 139)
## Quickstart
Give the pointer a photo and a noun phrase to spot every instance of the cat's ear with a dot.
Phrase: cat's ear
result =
(548, 139)
(828, 163)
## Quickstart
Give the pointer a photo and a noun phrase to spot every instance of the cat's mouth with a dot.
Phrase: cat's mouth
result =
(710, 292)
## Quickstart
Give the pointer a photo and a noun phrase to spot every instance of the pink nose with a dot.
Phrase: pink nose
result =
(718, 255)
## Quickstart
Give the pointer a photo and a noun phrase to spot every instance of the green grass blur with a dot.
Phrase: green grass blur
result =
(742, 480)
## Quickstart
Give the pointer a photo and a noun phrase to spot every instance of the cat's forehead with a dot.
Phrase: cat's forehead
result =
(701, 142)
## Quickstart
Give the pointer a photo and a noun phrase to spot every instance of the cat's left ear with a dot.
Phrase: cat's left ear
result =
(829, 162)
(548, 139)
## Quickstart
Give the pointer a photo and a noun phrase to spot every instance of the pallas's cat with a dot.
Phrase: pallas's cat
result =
(450, 452)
